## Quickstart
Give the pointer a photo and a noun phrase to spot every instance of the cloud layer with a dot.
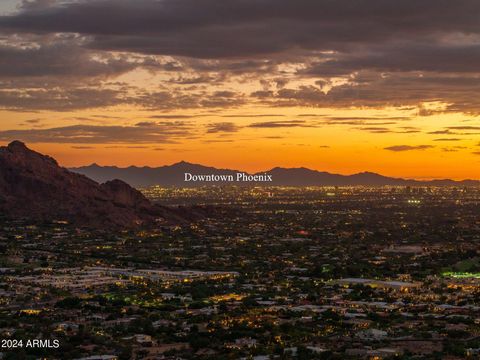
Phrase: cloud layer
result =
(365, 53)
(93, 134)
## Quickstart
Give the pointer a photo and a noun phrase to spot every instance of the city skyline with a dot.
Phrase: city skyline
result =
(340, 87)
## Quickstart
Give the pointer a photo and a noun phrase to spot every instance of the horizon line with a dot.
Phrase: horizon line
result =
(275, 167)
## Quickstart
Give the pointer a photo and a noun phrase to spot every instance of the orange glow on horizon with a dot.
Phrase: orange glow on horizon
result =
(333, 147)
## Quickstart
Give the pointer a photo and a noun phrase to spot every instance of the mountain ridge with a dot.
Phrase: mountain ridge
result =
(34, 186)
(173, 175)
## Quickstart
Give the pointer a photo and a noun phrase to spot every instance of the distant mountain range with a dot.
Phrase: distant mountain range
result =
(34, 186)
(174, 175)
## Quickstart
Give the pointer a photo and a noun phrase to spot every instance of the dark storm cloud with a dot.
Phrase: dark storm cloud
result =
(59, 59)
(201, 79)
(37, 4)
(416, 56)
(212, 29)
(399, 148)
(379, 90)
(393, 53)
(65, 98)
(176, 99)
(58, 99)
(91, 134)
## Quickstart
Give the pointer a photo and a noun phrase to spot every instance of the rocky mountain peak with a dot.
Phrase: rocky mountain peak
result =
(34, 186)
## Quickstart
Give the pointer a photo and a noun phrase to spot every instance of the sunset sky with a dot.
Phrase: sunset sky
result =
(389, 86)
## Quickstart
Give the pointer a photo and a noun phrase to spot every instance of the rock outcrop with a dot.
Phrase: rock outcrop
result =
(34, 186)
